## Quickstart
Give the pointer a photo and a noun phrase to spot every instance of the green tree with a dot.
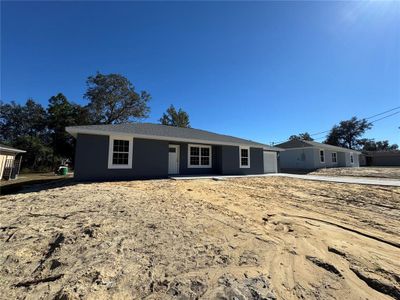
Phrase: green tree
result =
(25, 127)
(371, 145)
(301, 136)
(10, 121)
(35, 118)
(62, 113)
(347, 133)
(19, 120)
(113, 99)
(38, 156)
(175, 118)
(385, 146)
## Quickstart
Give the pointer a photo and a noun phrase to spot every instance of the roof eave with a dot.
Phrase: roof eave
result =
(2, 149)
(275, 149)
(74, 131)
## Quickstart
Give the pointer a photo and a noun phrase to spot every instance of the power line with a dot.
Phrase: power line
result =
(383, 113)
(398, 112)
(372, 122)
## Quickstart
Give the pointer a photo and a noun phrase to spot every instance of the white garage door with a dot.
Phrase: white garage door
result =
(270, 162)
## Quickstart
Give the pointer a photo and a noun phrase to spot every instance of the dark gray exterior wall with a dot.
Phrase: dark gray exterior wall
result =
(150, 160)
(225, 161)
(183, 161)
(230, 161)
(381, 159)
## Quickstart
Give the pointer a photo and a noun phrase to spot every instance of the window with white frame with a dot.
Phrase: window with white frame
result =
(334, 157)
(199, 156)
(244, 156)
(351, 158)
(322, 156)
(120, 153)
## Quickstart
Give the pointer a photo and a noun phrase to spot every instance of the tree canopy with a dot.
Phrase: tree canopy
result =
(371, 145)
(62, 113)
(25, 127)
(175, 118)
(347, 134)
(113, 99)
(301, 136)
(41, 131)
(21, 120)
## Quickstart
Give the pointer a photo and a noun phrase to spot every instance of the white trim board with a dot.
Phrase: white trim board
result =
(209, 166)
(319, 155)
(240, 157)
(336, 157)
(111, 151)
(4, 150)
(351, 157)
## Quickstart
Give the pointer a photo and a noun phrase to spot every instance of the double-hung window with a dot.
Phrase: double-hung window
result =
(244, 157)
(120, 153)
(322, 156)
(334, 157)
(199, 156)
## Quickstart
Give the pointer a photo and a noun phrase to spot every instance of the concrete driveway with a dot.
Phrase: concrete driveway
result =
(339, 179)
(343, 179)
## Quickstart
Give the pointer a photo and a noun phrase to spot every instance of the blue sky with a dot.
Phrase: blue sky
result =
(260, 70)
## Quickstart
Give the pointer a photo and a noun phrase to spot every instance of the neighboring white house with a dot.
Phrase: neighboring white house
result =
(10, 162)
(310, 155)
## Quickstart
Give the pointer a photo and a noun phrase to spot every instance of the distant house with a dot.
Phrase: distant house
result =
(10, 162)
(310, 155)
(380, 158)
(144, 150)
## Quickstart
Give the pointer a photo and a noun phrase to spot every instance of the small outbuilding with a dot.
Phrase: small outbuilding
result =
(380, 158)
(10, 162)
(145, 150)
(310, 155)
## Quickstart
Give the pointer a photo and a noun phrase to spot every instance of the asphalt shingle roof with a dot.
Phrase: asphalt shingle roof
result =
(175, 133)
(303, 143)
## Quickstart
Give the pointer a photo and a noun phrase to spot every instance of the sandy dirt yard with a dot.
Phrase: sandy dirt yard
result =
(379, 172)
(249, 238)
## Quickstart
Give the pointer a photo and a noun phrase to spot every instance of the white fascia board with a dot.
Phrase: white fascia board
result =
(273, 149)
(74, 132)
(3, 149)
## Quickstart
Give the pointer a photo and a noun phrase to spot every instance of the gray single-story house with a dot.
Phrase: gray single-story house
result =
(10, 162)
(144, 150)
(310, 155)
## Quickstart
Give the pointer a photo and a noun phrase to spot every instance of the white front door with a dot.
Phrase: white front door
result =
(270, 162)
(173, 159)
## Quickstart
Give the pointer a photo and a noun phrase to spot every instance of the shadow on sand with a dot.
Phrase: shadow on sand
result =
(36, 185)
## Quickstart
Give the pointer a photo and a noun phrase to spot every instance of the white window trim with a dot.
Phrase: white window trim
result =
(335, 162)
(111, 150)
(240, 157)
(319, 154)
(351, 155)
(199, 166)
